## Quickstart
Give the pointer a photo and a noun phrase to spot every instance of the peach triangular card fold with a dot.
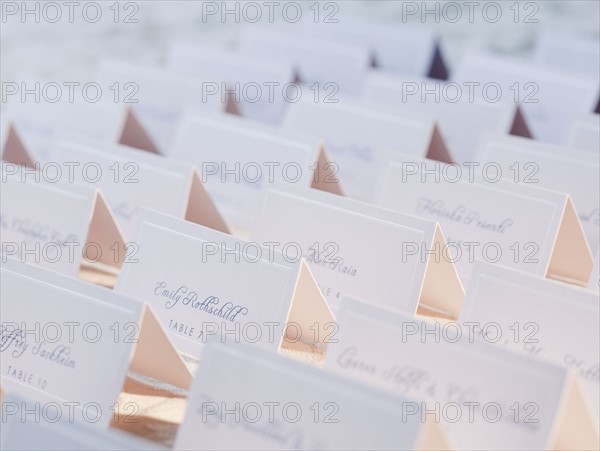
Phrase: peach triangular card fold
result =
(238, 162)
(358, 137)
(249, 380)
(490, 218)
(131, 179)
(483, 397)
(68, 341)
(357, 249)
(12, 148)
(203, 283)
(58, 225)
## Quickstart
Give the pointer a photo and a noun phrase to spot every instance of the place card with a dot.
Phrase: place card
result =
(57, 225)
(54, 431)
(238, 163)
(463, 119)
(517, 225)
(204, 283)
(559, 168)
(332, 66)
(585, 133)
(12, 148)
(71, 343)
(40, 124)
(356, 249)
(131, 179)
(158, 96)
(542, 319)
(550, 100)
(408, 51)
(276, 403)
(482, 397)
(357, 139)
(255, 87)
(567, 52)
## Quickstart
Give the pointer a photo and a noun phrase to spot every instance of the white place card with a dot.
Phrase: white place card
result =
(550, 100)
(541, 318)
(568, 52)
(49, 430)
(407, 51)
(158, 96)
(585, 133)
(315, 60)
(12, 148)
(357, 138)
(258, 86)
(463, 119)
(558, 168)
(131, 179)
(57, 225)
(204, 283)
(40, 124)
(356, 249)
(518, 225)
(310, 409)
(482, 396)
(67, 341)
(238, 163)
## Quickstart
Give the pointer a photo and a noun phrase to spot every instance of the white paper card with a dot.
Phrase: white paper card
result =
(239, 163)
(243, 378)
(315, 60)
(557, 168)
(585, 133)
(536, 405)
(359, 250)
(550, 100)
(542, 318)
(357, 138)
(158, 96)
(258, 86)
(525, 227)
(131, 179)
(204, 283)
(463, 119)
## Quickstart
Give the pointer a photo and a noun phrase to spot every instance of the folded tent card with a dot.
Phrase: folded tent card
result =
(517, 225)
(463, 119)
(585, 133)
(318, 63)
(239, 161)
(482, 396)
(407, 51)
(357, 138)
(595, 279)
(245, 398)
(157, 96)
(58, 331)
(40, 124)
(204, 283)
(356, 249)
(564, 169)
(549, 99)
(579, 55)
(541, 318)
(253, 87)
(57, 225)
(131, 179)
(58, 432)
